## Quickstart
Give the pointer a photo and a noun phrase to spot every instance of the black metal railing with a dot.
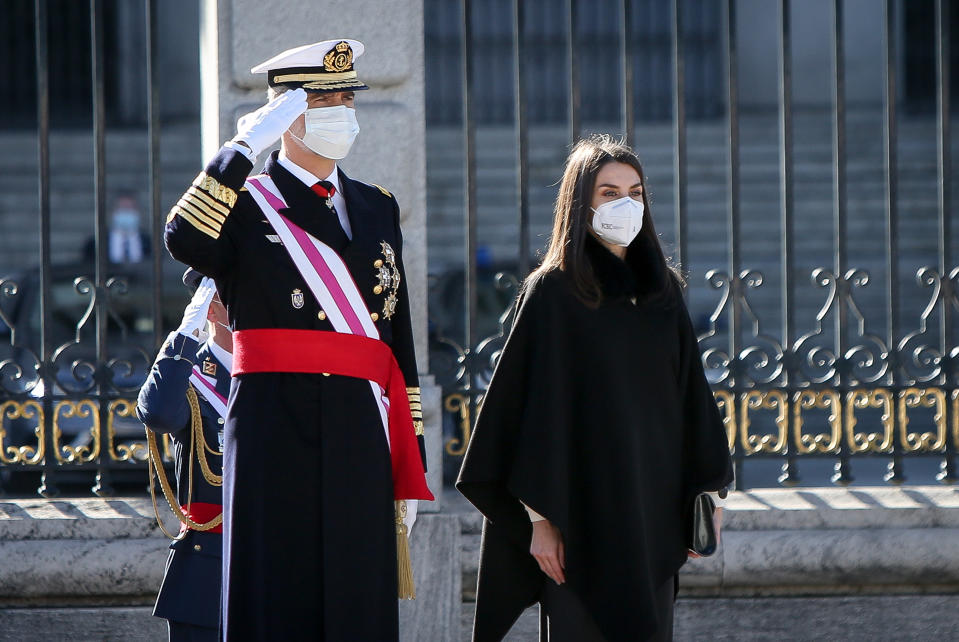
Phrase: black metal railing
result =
(74, 352)
(837, 393)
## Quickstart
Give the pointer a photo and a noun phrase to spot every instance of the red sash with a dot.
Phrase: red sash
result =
(349, 355)
(201, 513)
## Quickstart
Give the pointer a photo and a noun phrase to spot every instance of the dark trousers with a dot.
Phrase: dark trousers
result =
(182, 632)
(566, 620)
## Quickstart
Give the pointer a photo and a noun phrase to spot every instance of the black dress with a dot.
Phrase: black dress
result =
(602, 421)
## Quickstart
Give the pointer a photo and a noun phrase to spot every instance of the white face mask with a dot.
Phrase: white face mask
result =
(329, 131)
(618, 222)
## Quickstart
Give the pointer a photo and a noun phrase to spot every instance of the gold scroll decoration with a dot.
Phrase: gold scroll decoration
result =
(458, 403)
(821, 400)
(136, 451)
(84, 408)
(726, 401)
(22, 454)
(955, 418)
(922, 398)
(775, 400)
(876, 442)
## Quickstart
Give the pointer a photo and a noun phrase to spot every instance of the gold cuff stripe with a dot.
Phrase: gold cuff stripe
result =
(215, 189)
(332, 77)
(200, 216)
(415, 405)
(413, 390)
(206, 198)
(199, 205)
(186, 216)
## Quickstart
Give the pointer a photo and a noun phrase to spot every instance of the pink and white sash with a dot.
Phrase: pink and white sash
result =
(325, 273)
(208, 391)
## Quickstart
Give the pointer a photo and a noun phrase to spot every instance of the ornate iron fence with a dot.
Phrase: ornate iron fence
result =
(845, 389)
(78, 340)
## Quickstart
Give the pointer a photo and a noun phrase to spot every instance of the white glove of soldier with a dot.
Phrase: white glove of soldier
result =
(194, 316)
(263, 127)
(411, 506)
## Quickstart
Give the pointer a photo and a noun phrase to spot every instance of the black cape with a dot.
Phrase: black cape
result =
(602, 421)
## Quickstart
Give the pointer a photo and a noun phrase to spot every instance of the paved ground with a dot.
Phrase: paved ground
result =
(853, 619)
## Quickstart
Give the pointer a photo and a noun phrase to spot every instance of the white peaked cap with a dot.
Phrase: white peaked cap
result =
(306, 55)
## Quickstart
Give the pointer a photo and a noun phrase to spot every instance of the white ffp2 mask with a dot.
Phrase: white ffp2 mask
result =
(329, 131)
(618, 222)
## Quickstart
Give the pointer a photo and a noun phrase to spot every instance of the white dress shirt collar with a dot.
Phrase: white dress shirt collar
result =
(221, 355)
(306, 177)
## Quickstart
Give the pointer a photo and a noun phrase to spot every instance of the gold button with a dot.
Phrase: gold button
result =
(321, 315)
(197, 547)
(378, 289)
(326, 374)
(375, 316)
(378, 263)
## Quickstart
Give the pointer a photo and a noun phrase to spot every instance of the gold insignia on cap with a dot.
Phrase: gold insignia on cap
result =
(339, 58)
(209, 367)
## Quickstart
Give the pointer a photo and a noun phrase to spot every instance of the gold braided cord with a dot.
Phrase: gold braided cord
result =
(197, 430)
(157, 465)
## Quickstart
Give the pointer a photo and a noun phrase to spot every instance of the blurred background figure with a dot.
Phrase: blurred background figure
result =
(126, 241)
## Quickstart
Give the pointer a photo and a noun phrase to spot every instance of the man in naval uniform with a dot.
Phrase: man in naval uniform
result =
(185, 396)
(323, 438)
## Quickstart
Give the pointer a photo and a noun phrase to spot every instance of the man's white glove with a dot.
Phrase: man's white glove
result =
(263, 127)
(411, 506)
(194, 316)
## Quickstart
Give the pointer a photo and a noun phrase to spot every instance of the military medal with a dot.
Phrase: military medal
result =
(388, 279)
(329, 203)
(297, 298)
(209, 367)
(219, 438)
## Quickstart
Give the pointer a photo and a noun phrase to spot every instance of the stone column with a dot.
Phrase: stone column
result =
(390, 151)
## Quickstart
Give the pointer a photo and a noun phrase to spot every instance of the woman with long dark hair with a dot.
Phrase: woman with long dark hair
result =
(599, 428)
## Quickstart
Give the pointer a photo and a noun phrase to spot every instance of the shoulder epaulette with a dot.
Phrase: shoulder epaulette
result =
(382, 189)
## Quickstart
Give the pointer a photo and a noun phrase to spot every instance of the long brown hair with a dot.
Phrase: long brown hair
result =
(572, 215)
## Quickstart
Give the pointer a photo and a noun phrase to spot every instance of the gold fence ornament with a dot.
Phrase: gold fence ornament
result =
(459, 403)
(955, 418)
(123, 452)
(84, 408)
(922, 398)
(764, 400)
(28, 455)
(823, 400)
(726, 401)
(862, 399)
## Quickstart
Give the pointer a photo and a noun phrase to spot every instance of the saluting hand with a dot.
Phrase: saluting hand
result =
(548, 549)
(263, 127)
(194, 316)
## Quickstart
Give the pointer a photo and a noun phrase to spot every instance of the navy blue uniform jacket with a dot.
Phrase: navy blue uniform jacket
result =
(190, 592)
(309, 535)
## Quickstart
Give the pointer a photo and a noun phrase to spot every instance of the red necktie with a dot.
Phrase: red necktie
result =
(325, 190)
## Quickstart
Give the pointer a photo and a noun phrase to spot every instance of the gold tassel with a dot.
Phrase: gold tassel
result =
(406, 590)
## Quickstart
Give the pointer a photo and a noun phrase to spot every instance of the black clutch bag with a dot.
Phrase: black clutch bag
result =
(702, 530)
